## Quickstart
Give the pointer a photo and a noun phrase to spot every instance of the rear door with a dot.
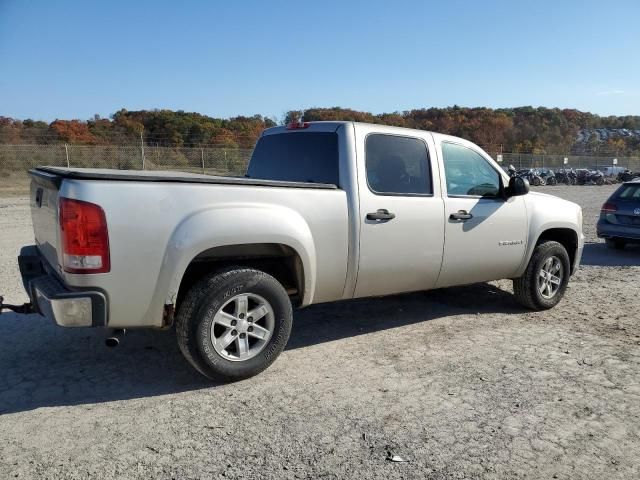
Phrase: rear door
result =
(485, 235)
(402, 213)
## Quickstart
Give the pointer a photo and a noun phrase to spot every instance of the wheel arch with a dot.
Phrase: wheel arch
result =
(566, 236)
(250, 235)
(279, 260)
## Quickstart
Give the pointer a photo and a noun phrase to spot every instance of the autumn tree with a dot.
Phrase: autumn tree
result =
(72, 131)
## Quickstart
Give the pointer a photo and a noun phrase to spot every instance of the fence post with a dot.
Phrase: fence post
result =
(66, 152)
(202, 154)
(142, 149)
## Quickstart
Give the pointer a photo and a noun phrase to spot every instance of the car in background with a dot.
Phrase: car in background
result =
(619, 221)
(610, 170)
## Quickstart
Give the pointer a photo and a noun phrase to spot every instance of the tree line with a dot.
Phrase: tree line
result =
(164, 128)
(522, 129)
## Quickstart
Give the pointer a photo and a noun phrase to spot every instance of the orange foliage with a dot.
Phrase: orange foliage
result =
(73, 131)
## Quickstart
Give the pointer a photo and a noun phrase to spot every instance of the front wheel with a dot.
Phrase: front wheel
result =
(234, 324)
(545, 280)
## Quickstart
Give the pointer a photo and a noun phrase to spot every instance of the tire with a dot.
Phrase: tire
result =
(205, 322)
(552, 181)
(615, 244)
(600, 181)
(527, 288)
(535, 181)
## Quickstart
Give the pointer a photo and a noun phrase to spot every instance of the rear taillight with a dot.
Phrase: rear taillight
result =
(609, 207)
(84, 236)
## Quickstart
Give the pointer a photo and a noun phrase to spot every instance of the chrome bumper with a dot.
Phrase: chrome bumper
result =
(54, 300)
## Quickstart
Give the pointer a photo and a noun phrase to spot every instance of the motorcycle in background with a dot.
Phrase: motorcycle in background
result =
(549, 177)
(585, 176)
(532, 175)
(567, 176)
(627, 175)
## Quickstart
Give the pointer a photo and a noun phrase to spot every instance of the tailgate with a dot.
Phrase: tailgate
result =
(44, 214)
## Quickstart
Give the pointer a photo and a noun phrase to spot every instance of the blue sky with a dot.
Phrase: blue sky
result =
(62, 59)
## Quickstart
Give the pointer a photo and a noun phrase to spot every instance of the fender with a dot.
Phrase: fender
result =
(548, 212)
(232, 224)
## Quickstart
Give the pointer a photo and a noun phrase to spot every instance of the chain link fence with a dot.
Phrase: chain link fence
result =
(214, 161)
(17, 160)
(530, 160)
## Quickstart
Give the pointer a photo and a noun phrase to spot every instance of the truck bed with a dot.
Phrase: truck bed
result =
(54, 175)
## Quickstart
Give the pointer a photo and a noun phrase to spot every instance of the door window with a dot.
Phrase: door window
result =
(397, 165)
(468, 173)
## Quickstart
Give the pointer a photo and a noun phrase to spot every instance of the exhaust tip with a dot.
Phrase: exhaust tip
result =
(114, 340)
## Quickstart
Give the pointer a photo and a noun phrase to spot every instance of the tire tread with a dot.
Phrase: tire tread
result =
(522, 286)
(187, 322)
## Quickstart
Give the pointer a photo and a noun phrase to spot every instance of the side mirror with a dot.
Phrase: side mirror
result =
(517, 186)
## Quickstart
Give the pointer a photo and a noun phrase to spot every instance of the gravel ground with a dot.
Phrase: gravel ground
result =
(460, 383)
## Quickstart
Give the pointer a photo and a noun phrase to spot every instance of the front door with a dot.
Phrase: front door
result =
(485, 234)
(402, 224)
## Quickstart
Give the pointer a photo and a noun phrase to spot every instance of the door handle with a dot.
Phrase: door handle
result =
(381, 215)
(460, 215)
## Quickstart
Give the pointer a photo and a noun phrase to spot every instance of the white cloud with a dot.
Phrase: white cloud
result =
(612, 92)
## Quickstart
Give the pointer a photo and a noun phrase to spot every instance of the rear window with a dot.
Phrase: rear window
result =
(629, 192)
(296, 157)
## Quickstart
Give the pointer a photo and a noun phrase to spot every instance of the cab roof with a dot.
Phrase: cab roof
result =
(333, 125)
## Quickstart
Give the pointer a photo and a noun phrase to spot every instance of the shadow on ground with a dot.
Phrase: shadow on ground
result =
(599, 255)
(44, 365)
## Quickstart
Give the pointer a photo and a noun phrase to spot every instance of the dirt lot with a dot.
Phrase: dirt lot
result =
(461, 383)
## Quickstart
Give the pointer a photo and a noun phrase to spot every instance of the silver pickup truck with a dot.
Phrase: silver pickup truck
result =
(327, 211)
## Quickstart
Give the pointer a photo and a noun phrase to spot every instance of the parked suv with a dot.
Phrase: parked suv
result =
(619, 221)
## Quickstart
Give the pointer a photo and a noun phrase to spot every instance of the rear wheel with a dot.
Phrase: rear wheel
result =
(615, 244)
(234, 324)
(545, 280)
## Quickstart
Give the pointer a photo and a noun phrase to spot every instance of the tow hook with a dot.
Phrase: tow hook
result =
(113, 340)
(24, 308)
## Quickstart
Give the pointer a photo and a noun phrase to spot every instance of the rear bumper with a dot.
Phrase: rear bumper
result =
(55, 300)
(605, 229)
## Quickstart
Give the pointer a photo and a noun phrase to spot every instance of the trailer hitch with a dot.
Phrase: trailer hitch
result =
(24, 308)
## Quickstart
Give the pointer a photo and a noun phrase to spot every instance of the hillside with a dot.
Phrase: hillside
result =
(521, 129)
